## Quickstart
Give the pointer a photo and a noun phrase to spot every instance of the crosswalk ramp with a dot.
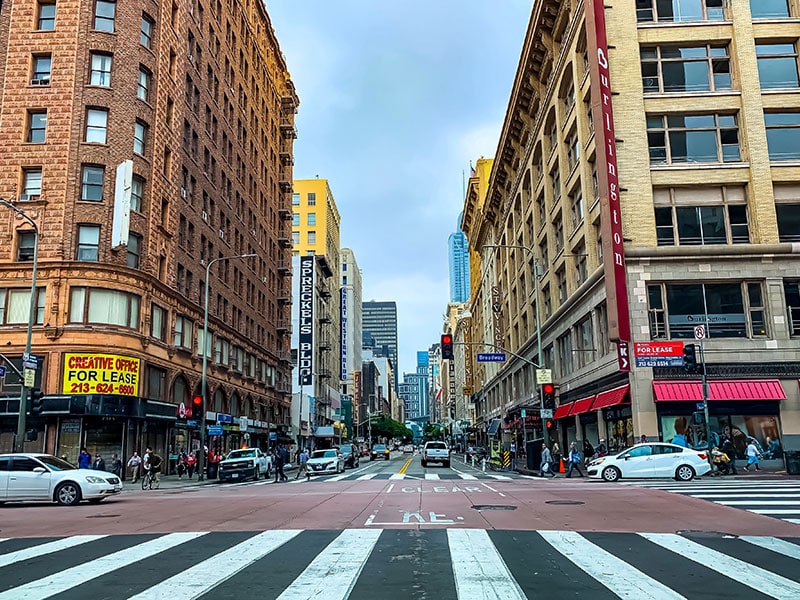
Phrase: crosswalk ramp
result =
(775, 498)
(357, 564)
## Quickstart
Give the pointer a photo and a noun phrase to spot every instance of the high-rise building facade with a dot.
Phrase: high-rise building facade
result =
(647, 167)
(151, 145)
(379, 319)
(458, 259)
(350, 320)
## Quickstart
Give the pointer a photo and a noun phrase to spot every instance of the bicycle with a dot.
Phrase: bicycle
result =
(150, 481)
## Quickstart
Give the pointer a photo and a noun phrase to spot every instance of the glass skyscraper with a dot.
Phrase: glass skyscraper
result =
(458, 255)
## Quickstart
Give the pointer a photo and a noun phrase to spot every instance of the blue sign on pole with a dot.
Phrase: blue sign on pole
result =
(214, 430)
(492, 357)
(2, 371)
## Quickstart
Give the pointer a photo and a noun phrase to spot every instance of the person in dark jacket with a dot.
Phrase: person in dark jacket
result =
(84, 459)
(99, 464)
(279, 461)
(588, 450)
(116, 466)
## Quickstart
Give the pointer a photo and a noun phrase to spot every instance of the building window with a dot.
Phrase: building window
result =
(92, 183)
(134, 250)
(788, 222)
(679, 10)
(137, 193)
(146, 35)
(555, 178)
(46, 16)
(31, 183)
(295, 199)
(158, 323)
(783, 134)
(37, 127)
(295, 219)
(40, 69)
(26, 245)
(573, 150)
(702, 225)
(96, 125)
(143, 87)
(558, 227)
(106, 307)
(576, 206)
(222, 351)
(777, 65)
(100, 73)
(561, 279)
(237, 359)
(15, 306)
(564, 345)
(312, 219)
(677, 139)
(669, 69)
(791, 291)
(155, 383)
(295, 238)
(88, 243)
(140, 138)
(312, 237)
(104, 13)
(585, 339)
(730, 310)
(769, 9)
(312, 199)
(184, 327)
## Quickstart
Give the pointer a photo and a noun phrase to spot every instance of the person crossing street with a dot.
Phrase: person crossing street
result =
(574, 460)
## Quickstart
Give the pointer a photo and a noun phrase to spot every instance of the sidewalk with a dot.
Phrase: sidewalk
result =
(170, 482)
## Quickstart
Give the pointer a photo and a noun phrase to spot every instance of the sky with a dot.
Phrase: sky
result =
(396, 99)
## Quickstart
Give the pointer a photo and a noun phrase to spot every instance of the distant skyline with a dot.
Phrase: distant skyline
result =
(396, 99)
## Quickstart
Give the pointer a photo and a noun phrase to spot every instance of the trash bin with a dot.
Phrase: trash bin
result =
(213, 470)
(792, 458)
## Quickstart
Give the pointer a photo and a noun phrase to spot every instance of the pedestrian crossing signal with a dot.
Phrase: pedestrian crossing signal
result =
(548, 423)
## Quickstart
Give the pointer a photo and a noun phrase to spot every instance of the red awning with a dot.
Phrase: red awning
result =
(730, 389)
(562, 411)
(583, 405)
(612, 397)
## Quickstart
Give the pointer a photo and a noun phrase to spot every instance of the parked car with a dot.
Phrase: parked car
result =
(38, 476)
(248, 463)
(435, 452)
(408, 449)
(379, 451)
(323, 462)
(653, 459)
(350, 454)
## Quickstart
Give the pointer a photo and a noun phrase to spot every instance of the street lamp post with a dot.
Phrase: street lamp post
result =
(202, 459)
(19, 441)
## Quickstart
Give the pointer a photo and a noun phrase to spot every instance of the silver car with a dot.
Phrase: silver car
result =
(324, 462)
(46, 477)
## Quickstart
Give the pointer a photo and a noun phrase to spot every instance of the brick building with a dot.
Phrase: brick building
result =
(641, 204)
(147, 141)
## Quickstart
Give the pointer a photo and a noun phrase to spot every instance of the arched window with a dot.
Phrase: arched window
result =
(180, 391)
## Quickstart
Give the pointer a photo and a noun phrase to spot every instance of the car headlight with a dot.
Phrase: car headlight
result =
(95, 479)
(596, 462)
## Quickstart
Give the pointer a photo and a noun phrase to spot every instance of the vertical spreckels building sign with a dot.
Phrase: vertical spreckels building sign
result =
(305, 349)
(343, 334)
(619, 328)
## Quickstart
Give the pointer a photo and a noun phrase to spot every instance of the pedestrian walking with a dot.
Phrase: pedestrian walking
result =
(286, 458)
(752, 456)
(574, 460)
(135, 466)
(181, 463)
(191, 463)
(116, 466)
(99, 464)
(730, 451)
(546, 464)
(588, 451)
(302, 464)
(278, 459)
(84, 459)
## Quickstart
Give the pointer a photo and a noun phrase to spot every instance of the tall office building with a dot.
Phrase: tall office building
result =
(458, 258)
(149, 145)
(351, 338)
(379, 319)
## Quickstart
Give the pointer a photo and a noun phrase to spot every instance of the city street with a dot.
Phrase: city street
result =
(392, 529)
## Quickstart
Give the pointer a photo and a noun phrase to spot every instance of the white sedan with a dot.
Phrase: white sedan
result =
(46, 477)
(651, 460)
(323, 462)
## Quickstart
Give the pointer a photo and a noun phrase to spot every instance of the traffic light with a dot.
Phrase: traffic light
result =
(689, 357)
(548, 396)
(197, 407)
(447, 346)
(548, 423)
(37, 401)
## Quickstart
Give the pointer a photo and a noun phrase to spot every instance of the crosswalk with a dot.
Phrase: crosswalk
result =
(350, 476)
(774, 498)
(358, 564)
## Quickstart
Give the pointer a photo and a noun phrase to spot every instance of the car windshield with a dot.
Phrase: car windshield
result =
(379, 447)
(324, 454)
(347, 449)
(242, 453)
(437, 445)
(55, 463)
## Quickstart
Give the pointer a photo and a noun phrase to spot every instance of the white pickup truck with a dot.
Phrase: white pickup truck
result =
(435, 452)
(243, 464)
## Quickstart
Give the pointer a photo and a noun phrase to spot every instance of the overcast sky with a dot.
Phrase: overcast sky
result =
(396, 99)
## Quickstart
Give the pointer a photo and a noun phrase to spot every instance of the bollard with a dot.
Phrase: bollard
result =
(483, 466)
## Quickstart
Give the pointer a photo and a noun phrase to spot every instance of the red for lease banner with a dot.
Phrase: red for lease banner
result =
(658, 349)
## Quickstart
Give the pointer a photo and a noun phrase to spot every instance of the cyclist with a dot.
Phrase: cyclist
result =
(152, 465)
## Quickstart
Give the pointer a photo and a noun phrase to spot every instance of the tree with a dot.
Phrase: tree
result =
(433, 431)
(390, 429)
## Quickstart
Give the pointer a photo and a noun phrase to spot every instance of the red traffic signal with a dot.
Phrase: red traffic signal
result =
(548, 424)
(549, 388)
(548, 396)
(197, 407)
(447, 346)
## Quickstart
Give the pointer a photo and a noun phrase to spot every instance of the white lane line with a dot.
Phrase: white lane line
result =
(340, 477)
(795, 521)
(431, 476)
(504, 477)
(335, 570)
(13, 557)
(366, 477)
(398, 476)
(204, 576)
(759, 502)
(774, 511)
(464, 475)
(774, 544)
(724, 496)
(75, 576)
(479, 570)
(623, 579)
(752, 576)
(390, 488)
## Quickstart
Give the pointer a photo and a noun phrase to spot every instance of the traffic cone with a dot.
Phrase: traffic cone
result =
(561, 468)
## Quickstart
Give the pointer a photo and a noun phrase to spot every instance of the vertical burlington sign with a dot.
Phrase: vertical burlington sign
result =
(619, 328)
(305, 350)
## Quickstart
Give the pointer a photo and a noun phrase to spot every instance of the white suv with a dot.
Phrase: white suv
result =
(435, 452)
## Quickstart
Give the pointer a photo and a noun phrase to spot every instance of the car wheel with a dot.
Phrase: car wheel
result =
(68, 494)
(257, 474)
(684, 473)
(611, 474)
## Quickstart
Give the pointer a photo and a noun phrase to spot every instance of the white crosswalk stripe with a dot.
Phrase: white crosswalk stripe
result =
(497, 565)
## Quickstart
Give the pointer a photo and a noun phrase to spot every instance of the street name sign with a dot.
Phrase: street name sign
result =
(214, 430)
(491, 357)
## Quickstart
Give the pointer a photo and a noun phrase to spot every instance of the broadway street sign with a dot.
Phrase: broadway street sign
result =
(492, 357)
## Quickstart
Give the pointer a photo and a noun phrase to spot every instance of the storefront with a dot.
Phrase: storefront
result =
(615, 408)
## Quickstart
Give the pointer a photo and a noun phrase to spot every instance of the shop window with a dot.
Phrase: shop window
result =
(679, 139)
(740, 428)
(783, 131)
(679, 10)
(184, 328)
(46, 16)
(15, 305)
(158, 323)
(701, 225)
(777, 65)
(688, 69)
(769, 9)
(788, 222)
(104, 15)
(105, 307)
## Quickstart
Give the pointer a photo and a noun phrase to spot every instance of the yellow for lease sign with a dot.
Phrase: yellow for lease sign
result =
(101, 374)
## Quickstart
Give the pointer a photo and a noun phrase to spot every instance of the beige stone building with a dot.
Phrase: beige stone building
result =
(644, 186)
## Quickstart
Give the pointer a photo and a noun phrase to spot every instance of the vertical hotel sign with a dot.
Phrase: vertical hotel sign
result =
(619, 328)
(343, 333)
(305, 349)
